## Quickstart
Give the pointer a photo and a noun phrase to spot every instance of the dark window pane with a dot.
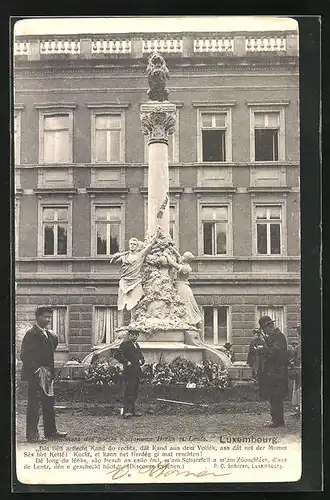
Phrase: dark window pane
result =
(221, 238)
(266, 145)
(49, 240)
(262, 238)
(222, 335)
(61, 240)
(222, 317)
(208, 228)
(208, 316)
(275, 145)
(114, 238)
(275, 239)
(101, 239)
(208, 324)
(213, 145)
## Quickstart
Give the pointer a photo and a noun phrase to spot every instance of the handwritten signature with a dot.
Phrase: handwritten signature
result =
(161, 470)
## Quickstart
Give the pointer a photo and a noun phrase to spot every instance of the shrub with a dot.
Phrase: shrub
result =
(103, 373)
(180, 371)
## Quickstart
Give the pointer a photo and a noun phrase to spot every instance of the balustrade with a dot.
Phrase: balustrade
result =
(168, 46)
(21, 48)
(214, 45)
(121, 45)
(268, 44)
(60, 46)
(108, 46)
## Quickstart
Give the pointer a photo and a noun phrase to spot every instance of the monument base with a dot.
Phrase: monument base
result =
(167, 345)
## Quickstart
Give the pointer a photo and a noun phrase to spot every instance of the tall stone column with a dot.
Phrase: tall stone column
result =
(158, 122)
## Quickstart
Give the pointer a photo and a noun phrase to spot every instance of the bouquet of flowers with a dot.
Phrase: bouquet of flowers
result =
(180, 371)
(103, 373)
(215, 374)
(148, 370)
(163, 375)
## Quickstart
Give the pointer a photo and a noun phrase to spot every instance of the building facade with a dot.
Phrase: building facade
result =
(81, 166)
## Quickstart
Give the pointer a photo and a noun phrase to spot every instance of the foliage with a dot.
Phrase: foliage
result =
(103, 373)
(180, 371)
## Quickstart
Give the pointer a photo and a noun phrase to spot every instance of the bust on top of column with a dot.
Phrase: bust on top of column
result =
(158, 114)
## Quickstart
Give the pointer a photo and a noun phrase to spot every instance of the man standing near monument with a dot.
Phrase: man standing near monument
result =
(37, 355)
(131, 357)
(272, 346)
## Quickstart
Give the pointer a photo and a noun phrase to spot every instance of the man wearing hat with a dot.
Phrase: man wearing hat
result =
(272, 347)
(229, 351)
(130, 355)
(37, 355)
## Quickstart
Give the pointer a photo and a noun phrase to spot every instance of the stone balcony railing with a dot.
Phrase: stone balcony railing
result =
(140, 46)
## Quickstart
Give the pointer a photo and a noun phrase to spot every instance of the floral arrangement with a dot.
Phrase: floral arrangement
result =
(215, 374)
(103, 373)
(180, 371)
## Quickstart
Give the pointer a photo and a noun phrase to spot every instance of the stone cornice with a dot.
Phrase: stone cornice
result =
(105, 105)
(56, 190)
(198, 258)
(55, 105)
(94, 67)
(215, 189)
(107, 190)
(211, 104)
(268, 103)
(159, 34)
(278, 164)
(82, 278)
(173, 190)
(268, 189)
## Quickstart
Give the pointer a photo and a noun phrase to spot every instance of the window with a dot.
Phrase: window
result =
(276, 313)
(55, 132)
(57, 146)
(267, 131)
(107, 224)
(266, 136)
(106, 320)
(17, 138)
(59, 324)
(55, 230)
(216, 327)
(215, 228)
(107, 138)
(108, 132)
(269, 229)
(213, 136)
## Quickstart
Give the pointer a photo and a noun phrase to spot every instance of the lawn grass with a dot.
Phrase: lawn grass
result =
(102, 422)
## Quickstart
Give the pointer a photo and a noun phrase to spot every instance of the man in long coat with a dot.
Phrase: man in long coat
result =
(130, 355)
(37, 355)
(273, 349)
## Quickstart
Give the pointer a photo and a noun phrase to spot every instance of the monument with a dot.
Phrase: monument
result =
(154, 284)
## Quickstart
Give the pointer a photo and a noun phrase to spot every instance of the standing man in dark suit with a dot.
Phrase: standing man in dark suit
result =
(272, 346)
(130, 355)
(37, 355)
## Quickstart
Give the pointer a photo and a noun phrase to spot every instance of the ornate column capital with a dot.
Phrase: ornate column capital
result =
(158, 121)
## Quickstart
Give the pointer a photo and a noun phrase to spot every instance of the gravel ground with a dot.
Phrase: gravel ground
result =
(100, 422)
